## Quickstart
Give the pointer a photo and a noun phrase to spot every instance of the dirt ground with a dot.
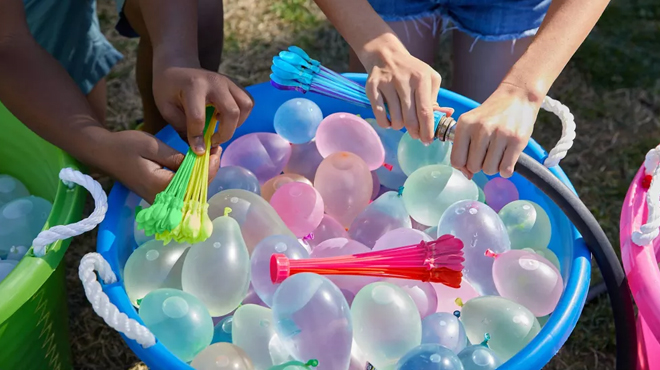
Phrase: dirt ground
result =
(612, 86)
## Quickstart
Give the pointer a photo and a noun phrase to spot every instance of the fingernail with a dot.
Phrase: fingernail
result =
(198, 145)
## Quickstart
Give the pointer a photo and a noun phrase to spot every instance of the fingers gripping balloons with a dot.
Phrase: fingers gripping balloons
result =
(300, 206)
(264, 154)
(260, 263)
(529, 279)
(430, 190)
(527, 223)
(384, 214)
(313, 320)
(413, 154)
(480, 229)
(386, 323)
(297, 120)
(344, 132)
(168, 313)
(217, 270)
(344, 182)
(510, 325)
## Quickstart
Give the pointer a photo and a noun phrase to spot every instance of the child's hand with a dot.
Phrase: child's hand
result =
(182, 93)
(409, 87)
(138, 160)
(492, 136)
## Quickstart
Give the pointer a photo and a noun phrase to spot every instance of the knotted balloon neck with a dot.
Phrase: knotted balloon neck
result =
(400, 191)
(646, 181)
(490, 253)
(309, 236)
(227, 212)
(388, 166)
(486, 339)
(308, 364)
(459, 302)
(457, 313)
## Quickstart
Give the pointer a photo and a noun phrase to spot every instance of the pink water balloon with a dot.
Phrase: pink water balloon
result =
(329, 228)
(344, 182)
(424, 295)
(305, 159)
(271, 186)
(529, 279)
(376, 187)
(451, 299)
(401, 237)
(263, 153)
(345, 132)
(349, 285)
(300, 206)
(500, 192)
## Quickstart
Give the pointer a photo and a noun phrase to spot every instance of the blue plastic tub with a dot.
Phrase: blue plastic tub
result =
(115, 239)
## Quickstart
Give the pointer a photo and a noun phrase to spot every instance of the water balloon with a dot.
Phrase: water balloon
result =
(304, 161)
(264, 154)
(21, 220)
(385, 214)
(329, 228)
(222, 356)
(234, 177)
(300, 206)
(16, 253)
(222, 330)
(10, 189)
(429, 357)
(271, 186)
(429, 191)
(479, 357)
(422, 293)
(451, 299)
(446, 329)
(386, 323)
(179, 320)
(297, 120)
(6, 266)
(413, 154)
(217, 270)
(400, 237)
(480, 229)
(345, 183)
(345, 132)
(500, 192)
(527, 223)
(252, 330)
(547, 254)
(390, 174)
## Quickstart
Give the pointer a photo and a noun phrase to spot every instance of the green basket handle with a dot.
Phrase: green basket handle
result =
(72, 177)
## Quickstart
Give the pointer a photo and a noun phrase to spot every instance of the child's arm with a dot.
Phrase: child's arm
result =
(492, 136)
(42, 95)
(408, 86)
(181, 87)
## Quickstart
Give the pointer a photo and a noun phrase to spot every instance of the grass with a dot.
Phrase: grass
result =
(612, 86)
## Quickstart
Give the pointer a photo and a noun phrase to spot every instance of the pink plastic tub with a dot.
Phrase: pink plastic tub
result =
(640, 248)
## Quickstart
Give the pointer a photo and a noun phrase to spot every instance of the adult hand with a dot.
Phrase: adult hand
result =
(182, 93)
(492, 136)
(409, 87)
(143, 163)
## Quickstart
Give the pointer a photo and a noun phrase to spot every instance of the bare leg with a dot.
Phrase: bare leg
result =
(417, 36)
(98, 99)
(210, 39)
(478, 72)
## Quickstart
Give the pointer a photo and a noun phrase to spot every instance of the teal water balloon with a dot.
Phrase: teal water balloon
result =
(385, 213)
(527, 223)
(152, 266)
(6, 266)
(11, 188)
(413, 154)
(21, 220)
(482, 196)
(422, 293)
(217, 270)
(386, 323)
(253, 330)
(139, 235)
(222, 330)
(510, 325)
(178, 320)
(446, 329)
(297, 120)
(234, 177)
(480, 229)
(256, 216)
(313, 320)
(479, 357)
(547, 254)
(430, 190)
(222, 356)
(390, 174)
(260, 263)
(529, 279)
(429, 357)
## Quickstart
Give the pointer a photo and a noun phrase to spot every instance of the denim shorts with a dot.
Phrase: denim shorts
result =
(69, 30)
(488, 20)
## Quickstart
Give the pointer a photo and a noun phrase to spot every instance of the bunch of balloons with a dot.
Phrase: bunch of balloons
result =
(22, 217)
(335, 186)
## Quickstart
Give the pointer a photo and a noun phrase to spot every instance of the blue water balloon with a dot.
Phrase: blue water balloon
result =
(234, 177)
(21, 220)
(446, 329)
(222, 331)
(11, 188)
(297, 120)
(429, 357)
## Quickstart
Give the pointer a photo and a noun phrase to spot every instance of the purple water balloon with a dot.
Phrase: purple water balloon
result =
(349, 285)
(304, 161)
(329, 228)
(264, 154)
(385, 214)
(500, 192)
(376, 191)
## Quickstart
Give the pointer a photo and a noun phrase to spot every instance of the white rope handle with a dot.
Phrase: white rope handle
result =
(101, 304)
(60, 232)
(651, 228)
(567, 131)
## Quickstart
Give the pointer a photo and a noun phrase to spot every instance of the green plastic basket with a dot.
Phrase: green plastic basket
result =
(34, 332)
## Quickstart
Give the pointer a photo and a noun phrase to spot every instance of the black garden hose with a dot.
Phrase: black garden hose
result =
(598, 244)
